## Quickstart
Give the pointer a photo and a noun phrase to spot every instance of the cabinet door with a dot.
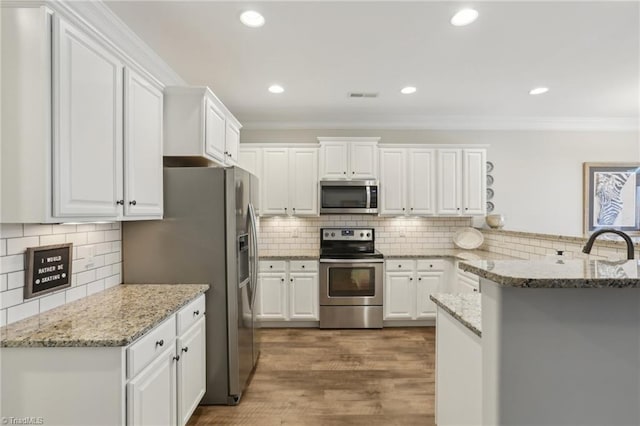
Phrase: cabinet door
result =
(467, 284)
(273, 296)
(422, 182)
(449, 181)
(303, 181)
(87, 126)
(474, 186)
(334, 158)
(399, 295)
(191, 370)
(363, 160)
(303, 296)
(214, 132)
(392, 181)
(427, 284)
(151, 395)
(250, 159)
(142, 146)
(275, 181)
(232, 142)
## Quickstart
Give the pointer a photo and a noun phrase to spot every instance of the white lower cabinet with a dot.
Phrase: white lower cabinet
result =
(408, 285)
(288, 291)
(157, 380)
(466, 282)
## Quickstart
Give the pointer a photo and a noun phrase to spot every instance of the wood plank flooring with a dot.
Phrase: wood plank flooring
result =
(337, 377)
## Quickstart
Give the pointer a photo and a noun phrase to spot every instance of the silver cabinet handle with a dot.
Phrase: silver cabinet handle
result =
(132, 203)
(160, 342)
(120, 203)
(176, 358)
(185, 349)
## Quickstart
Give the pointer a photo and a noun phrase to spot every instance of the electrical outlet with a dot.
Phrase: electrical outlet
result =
(294, 233)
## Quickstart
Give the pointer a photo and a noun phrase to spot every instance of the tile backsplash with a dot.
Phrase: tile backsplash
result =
(296, 235)
(101, 241)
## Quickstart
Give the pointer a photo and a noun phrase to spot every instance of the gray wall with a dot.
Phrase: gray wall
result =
(538, 174)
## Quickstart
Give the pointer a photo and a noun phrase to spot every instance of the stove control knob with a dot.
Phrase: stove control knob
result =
(333, 234)
(368, 234)
(326, 234)
(361, 234)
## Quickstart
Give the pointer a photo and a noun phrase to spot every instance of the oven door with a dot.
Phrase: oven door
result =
(351, 282)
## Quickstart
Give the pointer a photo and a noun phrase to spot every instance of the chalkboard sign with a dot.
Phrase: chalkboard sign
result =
(48, 269)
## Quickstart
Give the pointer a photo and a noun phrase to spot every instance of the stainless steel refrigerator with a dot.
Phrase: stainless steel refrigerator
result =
(208, 235)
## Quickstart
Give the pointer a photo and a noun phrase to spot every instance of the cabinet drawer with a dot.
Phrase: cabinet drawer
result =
(149, 346)
(303, 265)
(190, 314)
(399, 265)
(431, 264)
(273, 265)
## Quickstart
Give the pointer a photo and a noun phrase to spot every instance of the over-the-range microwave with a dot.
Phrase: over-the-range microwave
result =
(348, 197)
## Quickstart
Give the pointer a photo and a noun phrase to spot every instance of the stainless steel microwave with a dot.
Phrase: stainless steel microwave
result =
(348, 197)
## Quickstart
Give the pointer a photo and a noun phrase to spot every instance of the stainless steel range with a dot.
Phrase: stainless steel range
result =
(350, 279)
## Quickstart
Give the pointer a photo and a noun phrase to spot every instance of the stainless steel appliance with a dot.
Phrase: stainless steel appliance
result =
(348, 197)
(208, 235)
(351, 292)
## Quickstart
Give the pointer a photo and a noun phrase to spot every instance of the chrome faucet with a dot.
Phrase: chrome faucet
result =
(594, 236)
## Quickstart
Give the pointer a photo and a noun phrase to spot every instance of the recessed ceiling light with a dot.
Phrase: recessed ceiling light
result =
(252, 19)
(538, 90)
(464, 17)
(408, 90)
(276, 88)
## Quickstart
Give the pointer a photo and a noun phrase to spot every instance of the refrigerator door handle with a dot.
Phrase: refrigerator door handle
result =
(254, 238)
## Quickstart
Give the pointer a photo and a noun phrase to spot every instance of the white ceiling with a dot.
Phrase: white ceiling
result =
(587, 53)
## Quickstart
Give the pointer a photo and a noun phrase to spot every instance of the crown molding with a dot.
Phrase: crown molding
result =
(609, 124)
(97, 17)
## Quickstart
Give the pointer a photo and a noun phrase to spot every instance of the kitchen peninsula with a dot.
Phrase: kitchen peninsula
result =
(560, 340)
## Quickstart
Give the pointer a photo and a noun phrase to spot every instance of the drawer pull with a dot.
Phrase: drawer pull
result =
(302, 266)
(399, 266)
(282, 279)
(176, 358)
(195, 313)
(291, 279)
(270, 266)
(120, 203)
(160, 342)
(185, 349)
(132, 203)
(410, 279)
(419, 278)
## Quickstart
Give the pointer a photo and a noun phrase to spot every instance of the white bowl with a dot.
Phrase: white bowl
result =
(495, 221)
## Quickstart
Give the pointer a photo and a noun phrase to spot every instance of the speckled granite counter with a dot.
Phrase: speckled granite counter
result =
(453, 253)
(551, 273)
(463, 307)
(114, 317)
(292, 257)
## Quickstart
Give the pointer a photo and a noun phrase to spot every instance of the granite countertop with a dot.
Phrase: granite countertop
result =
(292, 257)
(552, 273)
(114, 317)
(463, 307)
(454, 253)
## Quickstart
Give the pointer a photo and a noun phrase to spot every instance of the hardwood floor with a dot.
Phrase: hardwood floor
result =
(337, 377)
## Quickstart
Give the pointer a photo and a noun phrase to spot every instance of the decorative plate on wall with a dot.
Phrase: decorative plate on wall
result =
(489, 166)
(489, 193)
(490, 206)
(489, 180)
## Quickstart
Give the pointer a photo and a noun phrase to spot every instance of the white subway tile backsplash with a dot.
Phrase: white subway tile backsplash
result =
(24, 310)
(11, 263)
(46, 240)
(111, 235)
(11, 298)
(76, 293)
(51, 301)
(19, 245)
(11, 230)
(15, 280)
(37, 229)
(90, 273)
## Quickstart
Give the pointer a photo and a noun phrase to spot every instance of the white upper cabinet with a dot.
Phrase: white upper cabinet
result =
(392, 181)
(197, 124)
(82, 140)
(87, 138)
(143, 108)
(407, 181)
(303, 181)
(348, 158)
(214, 132)
(288, 178)
(462, 182)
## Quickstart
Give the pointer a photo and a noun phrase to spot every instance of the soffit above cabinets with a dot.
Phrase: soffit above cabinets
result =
(476, 76)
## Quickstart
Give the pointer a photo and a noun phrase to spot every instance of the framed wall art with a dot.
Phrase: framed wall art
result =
(612, 197)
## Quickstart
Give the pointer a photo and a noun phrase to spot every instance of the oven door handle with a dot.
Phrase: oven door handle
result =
(351, 261)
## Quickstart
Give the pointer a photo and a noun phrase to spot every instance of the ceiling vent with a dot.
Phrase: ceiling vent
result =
(362, 95)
